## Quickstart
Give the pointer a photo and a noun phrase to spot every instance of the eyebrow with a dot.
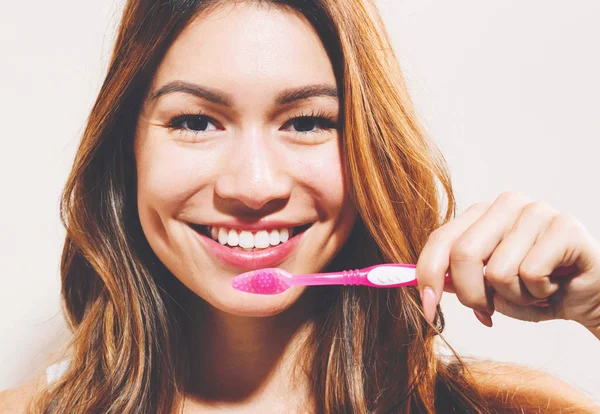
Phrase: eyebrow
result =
(220, 98)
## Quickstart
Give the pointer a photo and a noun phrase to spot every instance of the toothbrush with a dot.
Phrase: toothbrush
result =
(272, 281)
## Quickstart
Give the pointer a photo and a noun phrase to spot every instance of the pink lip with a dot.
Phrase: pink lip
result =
(270, 257)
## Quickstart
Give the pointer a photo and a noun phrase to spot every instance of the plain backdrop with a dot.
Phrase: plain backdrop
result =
(508, 89)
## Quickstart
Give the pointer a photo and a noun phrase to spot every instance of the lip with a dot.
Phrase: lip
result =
(239, 259)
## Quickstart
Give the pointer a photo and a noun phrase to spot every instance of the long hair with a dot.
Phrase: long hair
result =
(372, 349)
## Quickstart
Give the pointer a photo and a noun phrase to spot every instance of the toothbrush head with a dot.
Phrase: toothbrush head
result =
(269, 281)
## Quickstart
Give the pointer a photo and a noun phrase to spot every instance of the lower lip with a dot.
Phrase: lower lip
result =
(239, 259)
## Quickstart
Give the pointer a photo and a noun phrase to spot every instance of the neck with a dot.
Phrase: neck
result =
(246, 359)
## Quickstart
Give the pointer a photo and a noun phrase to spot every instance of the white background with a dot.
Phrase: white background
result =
(508, 89)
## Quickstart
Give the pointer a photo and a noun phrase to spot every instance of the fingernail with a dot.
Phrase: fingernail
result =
(429, 301)
(483, 317)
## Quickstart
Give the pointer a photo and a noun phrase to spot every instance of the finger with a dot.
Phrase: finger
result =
(502, 270)
(552, 256)
(433, 261)
(531, 313)
(475, 246)
(448, 286)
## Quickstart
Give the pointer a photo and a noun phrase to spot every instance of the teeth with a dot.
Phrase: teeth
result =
(248, 240)
(274, 238)
(222, 235)
(261, 239)
(232, 238)
(284, 235)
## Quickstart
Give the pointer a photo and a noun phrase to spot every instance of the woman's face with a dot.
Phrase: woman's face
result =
(236, 145)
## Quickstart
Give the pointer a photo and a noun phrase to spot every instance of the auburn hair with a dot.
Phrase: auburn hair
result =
(372, 349)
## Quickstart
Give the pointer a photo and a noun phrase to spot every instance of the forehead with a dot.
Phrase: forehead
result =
(247, 44)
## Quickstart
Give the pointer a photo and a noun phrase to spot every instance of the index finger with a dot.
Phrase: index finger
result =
(434, 260)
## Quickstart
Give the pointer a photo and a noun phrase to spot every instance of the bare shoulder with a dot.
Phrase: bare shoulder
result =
(17, 400)
(508, 381)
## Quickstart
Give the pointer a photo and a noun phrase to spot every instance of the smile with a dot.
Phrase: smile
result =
(250, 249)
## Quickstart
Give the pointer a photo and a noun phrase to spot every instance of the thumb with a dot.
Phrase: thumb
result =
(531, 313)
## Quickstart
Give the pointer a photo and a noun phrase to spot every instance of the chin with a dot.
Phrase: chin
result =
(246, 304)
(257, 306)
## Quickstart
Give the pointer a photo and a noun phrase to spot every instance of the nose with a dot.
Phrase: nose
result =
(255, 174)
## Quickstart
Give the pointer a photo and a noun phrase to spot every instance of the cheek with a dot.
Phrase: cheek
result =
(168, 175)
(322, 173)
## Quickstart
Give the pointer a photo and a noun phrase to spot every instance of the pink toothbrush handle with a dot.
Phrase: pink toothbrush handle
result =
(387, 275)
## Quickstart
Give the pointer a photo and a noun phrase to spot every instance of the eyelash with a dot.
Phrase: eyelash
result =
(325, 120)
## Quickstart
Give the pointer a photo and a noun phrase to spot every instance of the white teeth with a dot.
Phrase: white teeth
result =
(222, 235)
(261, 239)
(274, 237)
(284, 235)
(232, 238)
(246, 239)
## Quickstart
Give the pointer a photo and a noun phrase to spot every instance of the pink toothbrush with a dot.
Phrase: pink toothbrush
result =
(271, 281)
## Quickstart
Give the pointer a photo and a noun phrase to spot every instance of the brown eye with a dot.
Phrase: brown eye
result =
(304, 124)
(194, 123)
(310, 124)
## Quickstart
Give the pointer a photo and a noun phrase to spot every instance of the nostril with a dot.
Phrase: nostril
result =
(256, 198)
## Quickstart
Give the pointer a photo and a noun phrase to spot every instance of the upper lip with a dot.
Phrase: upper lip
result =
(254, 226)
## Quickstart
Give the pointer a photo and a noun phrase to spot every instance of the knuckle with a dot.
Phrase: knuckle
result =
(436, 235)
(530, 272)
(537, 208)
(463, 251)
(498, 274)
(511, 197)
(481, 205)
(566, 222)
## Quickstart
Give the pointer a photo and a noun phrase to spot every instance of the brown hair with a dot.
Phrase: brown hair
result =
(372, 350)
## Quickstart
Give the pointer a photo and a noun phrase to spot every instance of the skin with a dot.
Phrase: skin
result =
(251, 164)
(540, 264)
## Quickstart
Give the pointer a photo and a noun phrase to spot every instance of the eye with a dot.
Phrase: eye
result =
(306, 124)
(193, 123)
(312, 123)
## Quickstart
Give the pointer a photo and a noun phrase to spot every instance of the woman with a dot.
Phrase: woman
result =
(221, 123)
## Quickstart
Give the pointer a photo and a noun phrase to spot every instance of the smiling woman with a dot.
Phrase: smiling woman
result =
(240, 136)
(237, 135)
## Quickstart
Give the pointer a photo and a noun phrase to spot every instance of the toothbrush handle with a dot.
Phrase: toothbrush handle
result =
(356, 277)
(387, 275)
(381, 276)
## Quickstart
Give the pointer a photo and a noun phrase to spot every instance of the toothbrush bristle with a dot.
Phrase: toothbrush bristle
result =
(263, 281)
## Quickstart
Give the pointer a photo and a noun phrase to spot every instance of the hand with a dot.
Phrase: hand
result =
(539, 264)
